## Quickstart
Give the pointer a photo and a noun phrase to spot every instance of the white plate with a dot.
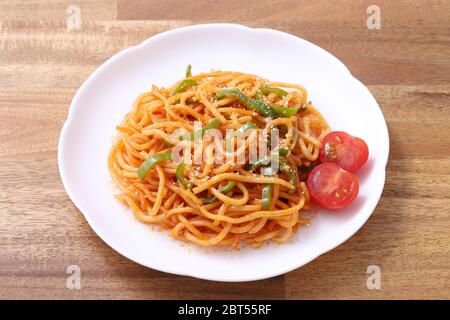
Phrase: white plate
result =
(107, 95)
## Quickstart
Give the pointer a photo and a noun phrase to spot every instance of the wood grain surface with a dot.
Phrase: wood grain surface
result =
(405, 64)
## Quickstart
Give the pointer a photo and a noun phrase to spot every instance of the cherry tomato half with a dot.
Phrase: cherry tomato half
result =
(331, 186)
(348, 152)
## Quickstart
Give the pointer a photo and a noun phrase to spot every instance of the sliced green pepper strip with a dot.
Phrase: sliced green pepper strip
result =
(245, 127)
(266, 196)
(190, 136)
(284, 112)
(190, 101)
(258, 95)
(180, 176)
(302, 109)
(167, 143)
(152, 161)
(282, 151)
(294, 139)
(268, 90)
(259, 106)
(188, 71)
(208, 200)
(186, 83)
(260, 162)
(227, 188)
(286, 168)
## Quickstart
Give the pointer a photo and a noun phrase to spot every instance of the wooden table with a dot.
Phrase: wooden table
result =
(405, 64)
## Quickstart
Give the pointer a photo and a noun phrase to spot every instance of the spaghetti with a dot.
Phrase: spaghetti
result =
(218, 204)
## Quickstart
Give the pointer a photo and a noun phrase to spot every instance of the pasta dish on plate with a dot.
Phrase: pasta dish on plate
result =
(225, 158)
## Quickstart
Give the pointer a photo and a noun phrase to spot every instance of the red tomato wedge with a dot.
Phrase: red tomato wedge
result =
(348, 152)
(332, 187)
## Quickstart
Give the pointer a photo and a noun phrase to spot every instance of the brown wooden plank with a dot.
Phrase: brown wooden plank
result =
(38, 10)
(31, 49)
(412, 46)
(416, 117)
(82, 50)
